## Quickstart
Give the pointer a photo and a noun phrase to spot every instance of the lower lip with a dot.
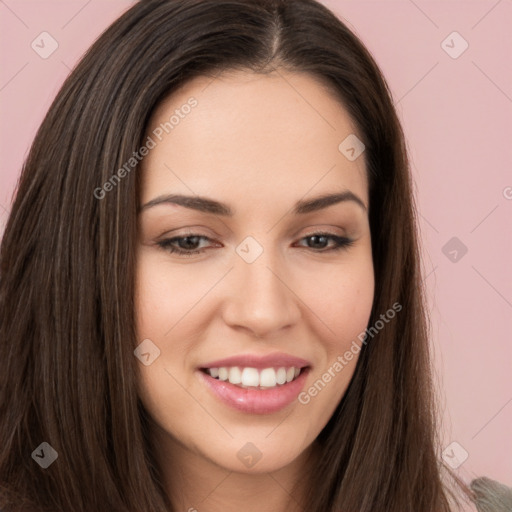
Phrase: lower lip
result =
(256, 401)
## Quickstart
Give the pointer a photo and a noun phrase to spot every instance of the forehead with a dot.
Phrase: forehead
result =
(270, 136)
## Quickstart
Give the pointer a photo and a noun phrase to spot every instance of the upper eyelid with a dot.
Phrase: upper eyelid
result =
(210, 239)
(310, 230)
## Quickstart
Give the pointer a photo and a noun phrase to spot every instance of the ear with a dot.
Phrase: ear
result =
(491, 496)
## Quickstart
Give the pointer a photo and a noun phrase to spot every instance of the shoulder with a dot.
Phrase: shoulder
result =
(491, 496)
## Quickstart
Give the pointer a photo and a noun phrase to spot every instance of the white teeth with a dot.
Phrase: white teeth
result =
(252, 377)
(235, 375)
(268, 378)
(281, 376)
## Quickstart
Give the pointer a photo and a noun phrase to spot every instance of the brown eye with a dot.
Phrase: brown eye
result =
(182, 245)
(322, 239)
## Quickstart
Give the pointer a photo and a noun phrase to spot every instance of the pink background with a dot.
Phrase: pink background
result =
(457, 116)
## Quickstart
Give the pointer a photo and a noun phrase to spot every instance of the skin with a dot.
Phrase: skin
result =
(258, 143)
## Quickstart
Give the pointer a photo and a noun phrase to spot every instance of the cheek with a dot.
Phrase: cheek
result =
(340, 304)
(348, 307)
(164, 295)
(340, 299)
(161, 300)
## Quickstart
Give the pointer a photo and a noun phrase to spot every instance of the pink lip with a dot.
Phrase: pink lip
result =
(275, 360)
(255, 401)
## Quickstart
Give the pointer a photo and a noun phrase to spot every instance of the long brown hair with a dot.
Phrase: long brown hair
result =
(67, 266)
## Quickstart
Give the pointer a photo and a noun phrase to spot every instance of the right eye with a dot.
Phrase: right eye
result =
(169, 244)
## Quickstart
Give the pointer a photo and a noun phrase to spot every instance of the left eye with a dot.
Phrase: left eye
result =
(187, 245)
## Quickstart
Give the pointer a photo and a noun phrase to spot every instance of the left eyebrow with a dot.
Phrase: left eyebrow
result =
(326, 200)
(207, 205)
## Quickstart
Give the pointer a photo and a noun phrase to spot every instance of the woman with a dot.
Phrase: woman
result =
(210, 284)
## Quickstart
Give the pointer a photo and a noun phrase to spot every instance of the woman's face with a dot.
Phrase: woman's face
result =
(266, 288)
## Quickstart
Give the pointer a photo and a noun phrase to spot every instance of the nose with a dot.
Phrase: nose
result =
(260, 297)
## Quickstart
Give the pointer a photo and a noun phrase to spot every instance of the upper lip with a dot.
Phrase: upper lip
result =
(277, 359)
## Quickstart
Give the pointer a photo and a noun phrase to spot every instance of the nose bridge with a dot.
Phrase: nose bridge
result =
(261, 299)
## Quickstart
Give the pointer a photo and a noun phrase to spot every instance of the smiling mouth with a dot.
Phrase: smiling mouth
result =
(250, 390)
(253, 378)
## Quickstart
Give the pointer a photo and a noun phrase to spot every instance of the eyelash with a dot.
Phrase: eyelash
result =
(341, 243)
